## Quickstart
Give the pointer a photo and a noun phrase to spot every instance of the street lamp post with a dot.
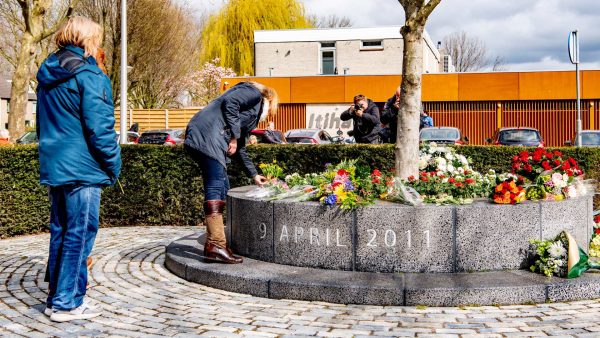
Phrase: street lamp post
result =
(574, 56)
(123, 129)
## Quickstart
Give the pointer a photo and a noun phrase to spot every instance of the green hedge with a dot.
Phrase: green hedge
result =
(163, 186)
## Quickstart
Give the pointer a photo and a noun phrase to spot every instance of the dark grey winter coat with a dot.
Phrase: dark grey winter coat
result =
(233, 114)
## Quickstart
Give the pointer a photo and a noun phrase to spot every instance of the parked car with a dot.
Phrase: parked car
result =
(263, 137)
(589, 138)
(311, 136)
(132, 137)
(520, 136)
(167, 137)
(29, 137)
(442, 135)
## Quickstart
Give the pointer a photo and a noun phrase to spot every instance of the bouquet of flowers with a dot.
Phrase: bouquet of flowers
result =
(343, 185)
(533, 164)
(560, 257)
(446, 177)
(595, 242)
(276, 188)
(508, 192)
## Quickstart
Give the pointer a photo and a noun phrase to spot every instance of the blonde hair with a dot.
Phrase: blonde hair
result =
(81, 32)
(270, 94)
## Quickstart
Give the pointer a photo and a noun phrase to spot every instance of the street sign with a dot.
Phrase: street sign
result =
(573, 47)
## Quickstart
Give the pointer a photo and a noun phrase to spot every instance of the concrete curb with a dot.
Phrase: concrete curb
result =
(270, 280)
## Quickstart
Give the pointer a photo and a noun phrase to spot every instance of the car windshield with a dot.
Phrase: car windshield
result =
(29, 137)
(431, 134)
(590, 139)
(519, 135)
(300, 133)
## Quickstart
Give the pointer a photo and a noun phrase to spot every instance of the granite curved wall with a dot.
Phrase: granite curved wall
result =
(388, 237)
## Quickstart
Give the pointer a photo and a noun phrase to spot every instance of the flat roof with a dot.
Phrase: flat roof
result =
(335, 34)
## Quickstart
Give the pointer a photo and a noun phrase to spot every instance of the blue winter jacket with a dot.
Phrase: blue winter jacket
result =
(75, 122)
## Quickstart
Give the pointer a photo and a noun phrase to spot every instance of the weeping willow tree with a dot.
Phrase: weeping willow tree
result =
(229, 34)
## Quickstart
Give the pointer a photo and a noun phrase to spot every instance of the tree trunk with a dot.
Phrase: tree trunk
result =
(407, 140)
(20, 86)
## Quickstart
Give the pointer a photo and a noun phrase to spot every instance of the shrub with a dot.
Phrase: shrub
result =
(163, 186)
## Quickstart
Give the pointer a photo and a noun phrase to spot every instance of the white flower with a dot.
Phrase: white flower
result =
(556, 249)
(464, 160)
(449, 156)
(460, 170)
(492, 172)
(450, 167)
(440, 161)
(558, 262)
(422, 164)
(445, 180)
(439, 173)
(431, 150)
(571, 192)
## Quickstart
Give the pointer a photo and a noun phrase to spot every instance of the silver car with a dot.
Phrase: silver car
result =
(310, 136)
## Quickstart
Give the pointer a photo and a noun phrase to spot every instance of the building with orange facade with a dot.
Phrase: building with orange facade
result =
(476, 103)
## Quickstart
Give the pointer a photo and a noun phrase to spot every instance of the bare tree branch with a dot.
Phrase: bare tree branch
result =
(63, 18)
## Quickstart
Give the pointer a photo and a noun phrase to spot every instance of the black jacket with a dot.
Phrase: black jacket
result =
(365, 128)
(389, 117)
(233, 114)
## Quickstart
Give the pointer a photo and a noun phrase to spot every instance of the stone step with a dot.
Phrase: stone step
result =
(270, 280)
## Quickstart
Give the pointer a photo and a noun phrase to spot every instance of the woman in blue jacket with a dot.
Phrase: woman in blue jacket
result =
(79, 155)
(216, 132)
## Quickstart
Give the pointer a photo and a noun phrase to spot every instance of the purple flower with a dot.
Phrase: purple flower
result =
(331, 199)
(348, 186)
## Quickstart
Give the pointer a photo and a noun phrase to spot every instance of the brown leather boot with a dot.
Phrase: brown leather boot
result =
(215, 247)
(216, 254)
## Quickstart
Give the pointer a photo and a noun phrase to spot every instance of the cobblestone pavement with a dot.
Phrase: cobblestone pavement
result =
(141, 298)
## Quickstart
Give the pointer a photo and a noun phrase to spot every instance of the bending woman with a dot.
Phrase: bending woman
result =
(216, 132)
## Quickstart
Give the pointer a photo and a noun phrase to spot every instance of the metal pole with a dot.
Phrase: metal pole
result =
(578, 106)
(123, 138)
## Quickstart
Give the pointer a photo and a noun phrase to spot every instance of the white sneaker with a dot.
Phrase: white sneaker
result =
(84, 311)
(48, 311)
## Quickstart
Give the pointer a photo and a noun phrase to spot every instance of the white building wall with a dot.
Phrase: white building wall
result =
(359, 61)
(287, 58)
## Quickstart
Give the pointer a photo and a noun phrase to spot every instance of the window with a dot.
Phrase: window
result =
(327, 58)
(371, 44)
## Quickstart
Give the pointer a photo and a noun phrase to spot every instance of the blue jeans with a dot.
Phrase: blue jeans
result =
(74, 219)
(214, 176)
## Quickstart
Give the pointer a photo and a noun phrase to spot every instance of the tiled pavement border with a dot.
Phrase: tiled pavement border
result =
(142, 299)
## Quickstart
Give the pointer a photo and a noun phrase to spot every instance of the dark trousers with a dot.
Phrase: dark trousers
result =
(214, 175)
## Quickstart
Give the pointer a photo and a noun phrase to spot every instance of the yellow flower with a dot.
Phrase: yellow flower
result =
(262, 166)
(383, 196)
(340, 193)
(274, 161)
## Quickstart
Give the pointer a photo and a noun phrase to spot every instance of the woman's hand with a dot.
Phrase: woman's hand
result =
(260, 180)
(232, 147)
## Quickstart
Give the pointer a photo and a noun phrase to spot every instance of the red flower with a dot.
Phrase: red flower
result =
(342, 172)
(335, 184)
(546, 165)
(597, 231)
(458, 184)
(538, 152)
(572, 161)
(556, 162)
(376, 172)
(524, 156)
(537, 158)
(469, 181)
(557, 153)
(520, 180)
(467, 172)
(451, 180)
(597, 218)
(516, 165)
(411, 178)
(569, 173)
(424, 179)
(528, 168)
(376, 180)
(515, 158)
(566, 166)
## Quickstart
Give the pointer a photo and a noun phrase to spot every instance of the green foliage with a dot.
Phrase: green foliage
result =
(229, 34)
(163, 185)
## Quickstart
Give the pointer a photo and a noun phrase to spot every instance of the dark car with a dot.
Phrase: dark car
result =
(29, 137)
(265, 136)
(167, 137)
(520, 136)
(589, 138)
(442, 135)
(311, 136)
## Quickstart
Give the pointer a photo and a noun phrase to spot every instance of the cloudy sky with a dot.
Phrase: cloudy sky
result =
(529, 34)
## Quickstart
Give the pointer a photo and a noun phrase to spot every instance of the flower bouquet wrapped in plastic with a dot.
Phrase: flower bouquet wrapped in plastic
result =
(400, 193)
(560, 257)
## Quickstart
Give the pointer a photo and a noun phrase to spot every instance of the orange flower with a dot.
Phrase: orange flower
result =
(499, 188)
